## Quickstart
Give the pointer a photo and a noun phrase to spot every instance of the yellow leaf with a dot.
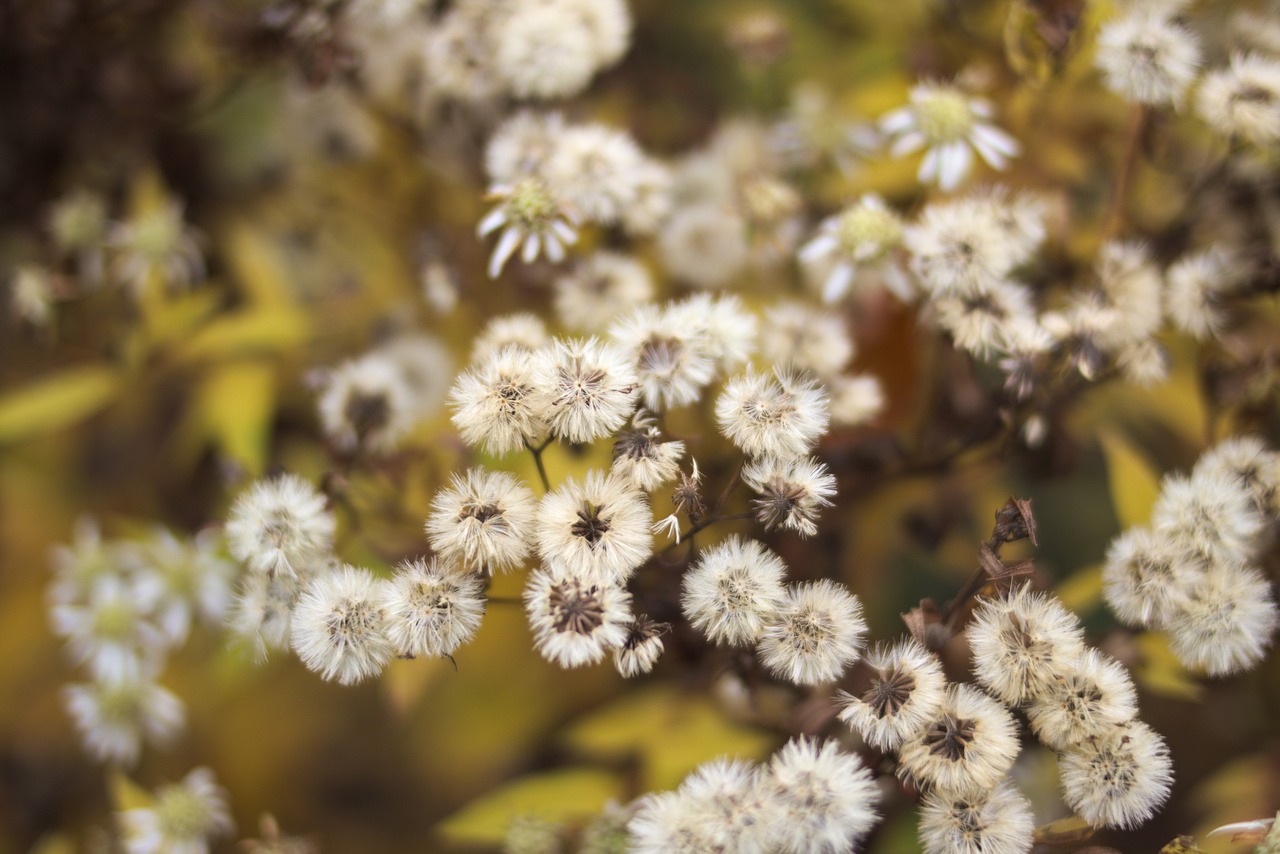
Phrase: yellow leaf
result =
(55, 402)
(126, 794)
(257, 266)
(405, 682)
(1134, 486)
(237, 403)
(54, 844)
(1082, 591)
(1063, 831)
(246, 333)
(1161, 672)
(554, 795)
(1182, 845)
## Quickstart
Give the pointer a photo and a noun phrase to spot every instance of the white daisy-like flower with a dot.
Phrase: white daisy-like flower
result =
(1253, 464)
(807, 338)
(864, 234)
(116, 718)
(967, 746)
(672, 364)
(641, 457)
(998, 821)
(642, 648)
(156, 243)
(279, 526)
(1227, 623)
(523, 331)
(597, 528)
(483, 521)
(1147, 57)
(1117, 779)
(585, 388)
(366, 403)
(531, 219)
(1243, 99)
(790, 492)
(905, 693)
(575, 621)
(113, 631)
(961, 247)
(1020, 643)
(79, 565)
(820, 798)
(184, 578)
(1214, 513)
(818, 632)
(339, 626)
(1198, 285)
(733, 591)
(182, 818)
(704, 244)
(1087, 700)
(856, 399)
(781, 416)
(590, 297)
(497, 404)
(263, 610)
(430, 608)
(950, 125)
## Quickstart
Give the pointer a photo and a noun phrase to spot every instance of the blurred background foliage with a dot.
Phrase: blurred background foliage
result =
(156, 409)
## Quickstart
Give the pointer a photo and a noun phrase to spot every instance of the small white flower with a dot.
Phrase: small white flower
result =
(339, 626)
(781, 416)
(532, 220)
(484, 521)
(791, 493)
(497, 405)
(592, 168)
(818, 632)
(603, 287)
(961, 247)
(113, 631)
(183, 578)
(585, 388)
(966, 748)
(156, 243)
(1021, 643)
(821, 799)
(1147, 579)
(640, 651)
(115, 718)
(734, 591)
(182, 818)
(950, 125)
(806, 338)
(431, 609)
(366, 403)
(856, 399)
(1087, 700)
(522, 145)
(597, 528)
(574, 621)
(544, 50)
(672, 364)
(704, 244)
(999, 821)
(1198, 284)
(280, 525)
(863, 234)
(1118, 779)
(522, 331)
(977, 319)
(905, 693)
(1227, 624)
(1243, 99)
(1147, 57)
(1213, 513)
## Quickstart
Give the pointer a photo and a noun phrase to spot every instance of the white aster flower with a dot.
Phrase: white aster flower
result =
(79, 565)
(905, 693)
(484, 521)
(864, 234)
(781, 416)
(1243, 99)
(183, 578)
(339, 626)
(790, 493)
(115, 718)
(279, 526)
(966, 748)
(806, 338)
(998, 821)
(585, 388)
(704, 244)
(604, 286)
(574, 621)
(821, 799)
(1086, 701)
(818, 632)
(182, 819)
(597, 528)
(1148, 57)
(733, 591)
(950, 125)
(531, 219)
(1227, 623)
(430, 608)
(113, 631)
(1020, 643)
(497, 405)
(1118, 779)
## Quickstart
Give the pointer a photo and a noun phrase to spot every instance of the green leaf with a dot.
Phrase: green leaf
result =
(1134, 486)
(58, 401)
(554, 795)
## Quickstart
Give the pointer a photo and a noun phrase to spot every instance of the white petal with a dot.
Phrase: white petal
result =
(955, 162)
(997, 139)
(507, 244)
(823, 244)
(898, 121)
(928, 167)
(492, 220)
(907, 144)
(564, 231)
(981, 107)
(838, 282)
(553, 246)
(994, 159)
(532, 244)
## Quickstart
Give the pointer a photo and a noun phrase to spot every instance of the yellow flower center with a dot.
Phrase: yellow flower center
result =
(868, 232)
(944, 115)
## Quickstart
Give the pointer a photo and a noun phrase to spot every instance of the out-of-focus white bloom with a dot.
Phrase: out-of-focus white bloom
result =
(182, 818)
(863, 234)
(484, 521)
(704, 244)
(1085, 701)
(950, 125)
(1253, 464)
(1243, 99)
(496, 404)
(544, 50)
(781, 416)
(1118, 779)
(666, 823)
(31, 294)
(640, 651)
(791, 492)
(457, 54)
(521, 330)
(905, 693)
(806, 338)
(641, 457)
(182, 578)
(115, 718)
(280, 525)
(1143, 363)
(820, 798)
(1227, 623)
(1132, 285)
(600, 289)
(813, 129)
(440, 287)
(339, 626)
(158, 243)
(113, 631)
(575, 622)
(263, 610)
(426, 366)
(366, 403)
(672, 364)
(1197, 284)
(1212, 512)
(585, 388)
(430, 608)
(592, 168)
(726, 328)
(818, 632)
(999, 821)
(855, 399)
(597, 528)
(1147, 57)
(966, 748)
(1146, 579)
(1021, 643)
(78, 566)
(653, 201)
(734, 591)
(961, 247)
(532, 220)
(522, 145)
(976, 320)
(78, 225)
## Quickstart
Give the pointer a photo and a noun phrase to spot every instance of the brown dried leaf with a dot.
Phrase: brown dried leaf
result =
(1064, 831)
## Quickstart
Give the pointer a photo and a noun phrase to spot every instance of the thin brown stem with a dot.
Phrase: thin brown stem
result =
(537, 460)
(1128, 158)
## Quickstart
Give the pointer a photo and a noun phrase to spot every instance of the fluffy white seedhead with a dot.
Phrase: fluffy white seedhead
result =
(704, 244)
(1209, 513)
(642, 648)
(977, 320)
(1227, 623)
(1084, 702)
(586, 389)
(1146, 57)
(523, 331)
(483, 521)
(593, 168)
(1251, 462)
(856, 399)
(791, 493)
(1147, 579)
(1022, 643)
(1196, 284)
(806, 338)
(726, 328)
(366, 403)
(673, 363)
(182, 818)
(643, 459)
(781, 416)
(817, 634)
(263, 609)
(575, 621)
(496, 404)
(965, 749)
(730, 799)
(998, 821)
(905, 693)
(960, 247)
(598, 291)
(733, 591)
(521, 145)
(544, 50)
(339, 626)
(821, 799)
(1132, 288)
(1243, 99)
(598, 528)
(115, 718)
(431, 608)
(280, 526)
(1118, 779)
